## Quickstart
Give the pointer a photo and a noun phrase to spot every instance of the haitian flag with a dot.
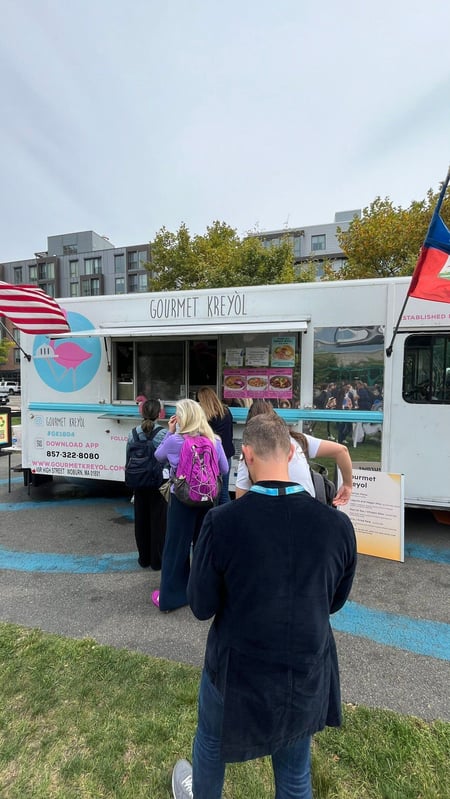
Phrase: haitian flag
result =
(431, 278)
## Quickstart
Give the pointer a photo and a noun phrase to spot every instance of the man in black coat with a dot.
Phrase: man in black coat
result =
(270, 567)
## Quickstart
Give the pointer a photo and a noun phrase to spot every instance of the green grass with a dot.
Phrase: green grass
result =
(79, 720)
(368, 451)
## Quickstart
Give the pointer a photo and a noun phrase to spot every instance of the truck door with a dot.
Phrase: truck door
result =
(419, 429)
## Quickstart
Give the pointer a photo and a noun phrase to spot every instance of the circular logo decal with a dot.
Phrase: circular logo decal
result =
(68, 364)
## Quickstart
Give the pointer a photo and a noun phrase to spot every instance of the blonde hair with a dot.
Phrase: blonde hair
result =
(210, 403)
(192, 420)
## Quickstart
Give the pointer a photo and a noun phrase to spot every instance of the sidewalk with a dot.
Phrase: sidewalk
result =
(68, 565)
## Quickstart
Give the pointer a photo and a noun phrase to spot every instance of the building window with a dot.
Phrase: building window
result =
(133, 260)
(297, 246)
(137, 260)
(17, 275)
(91, 287)
(119, 264)
(49, 288)
(33, 276)
(143, 282)
(73, 269)
(120, 285)
(46, 271)
(318, 242)
(70, 249)
(93, 266)
(74, 290)
(138, 283)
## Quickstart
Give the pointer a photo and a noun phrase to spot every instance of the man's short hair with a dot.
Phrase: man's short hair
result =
(267, 433)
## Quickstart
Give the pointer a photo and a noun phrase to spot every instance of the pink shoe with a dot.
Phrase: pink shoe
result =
(155, 598)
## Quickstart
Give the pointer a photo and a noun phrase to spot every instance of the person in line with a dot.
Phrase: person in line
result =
(270, 678)
(140, 399)
(150, 509)
(220, 419)
(345, 401)
(304, 446)
(183, 521)
(365, 396)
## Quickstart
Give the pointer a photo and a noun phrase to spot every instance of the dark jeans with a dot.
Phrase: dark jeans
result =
(291, 765)
(150, 512)
(183, 527)
(344, 429)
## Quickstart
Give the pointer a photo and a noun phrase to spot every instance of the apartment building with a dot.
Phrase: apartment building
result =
(79, 264)
(85, 264)
(314, 244)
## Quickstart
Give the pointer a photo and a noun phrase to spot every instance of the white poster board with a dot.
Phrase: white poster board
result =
(376, 509)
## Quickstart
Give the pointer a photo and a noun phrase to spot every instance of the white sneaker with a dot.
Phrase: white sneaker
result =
(182, 780)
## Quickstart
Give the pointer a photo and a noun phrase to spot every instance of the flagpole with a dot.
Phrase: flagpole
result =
(389, 349)
(28, 357)
(435, 213)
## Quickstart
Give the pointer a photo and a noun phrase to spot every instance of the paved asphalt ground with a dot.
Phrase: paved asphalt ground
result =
(68, 565)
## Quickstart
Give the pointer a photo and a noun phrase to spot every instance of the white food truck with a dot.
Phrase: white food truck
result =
(283, 343)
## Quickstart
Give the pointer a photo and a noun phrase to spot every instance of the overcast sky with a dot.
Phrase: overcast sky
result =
(124, 117)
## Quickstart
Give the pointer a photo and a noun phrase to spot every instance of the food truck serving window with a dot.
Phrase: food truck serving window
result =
(239, 366)
(168, 369)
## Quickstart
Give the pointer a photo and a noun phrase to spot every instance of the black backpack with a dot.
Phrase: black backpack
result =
(325, 489)
(142, 470)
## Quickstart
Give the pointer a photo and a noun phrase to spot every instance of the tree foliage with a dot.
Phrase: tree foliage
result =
(5, 346)
(217, 259)
(386, 241)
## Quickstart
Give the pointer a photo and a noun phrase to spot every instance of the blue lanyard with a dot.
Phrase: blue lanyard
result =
(276, 492)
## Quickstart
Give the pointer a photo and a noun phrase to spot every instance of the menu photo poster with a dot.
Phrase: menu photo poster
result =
(283, 351)
(234, 384)
(251, 383)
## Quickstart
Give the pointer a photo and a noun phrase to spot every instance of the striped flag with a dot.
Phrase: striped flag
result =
(431, 278)
(31, 310)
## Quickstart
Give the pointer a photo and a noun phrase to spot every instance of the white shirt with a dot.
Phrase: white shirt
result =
(298, 467)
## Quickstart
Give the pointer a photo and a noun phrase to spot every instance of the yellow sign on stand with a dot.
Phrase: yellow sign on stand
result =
(5, 427)
(376, 509)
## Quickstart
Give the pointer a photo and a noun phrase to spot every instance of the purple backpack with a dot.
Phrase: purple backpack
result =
(197, 480)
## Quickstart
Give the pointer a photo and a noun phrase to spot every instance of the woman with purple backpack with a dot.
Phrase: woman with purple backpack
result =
(220, 419)
(183, 521)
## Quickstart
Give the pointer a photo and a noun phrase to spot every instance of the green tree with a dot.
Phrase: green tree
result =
(217, 259)
(386, 241)
(5, 346)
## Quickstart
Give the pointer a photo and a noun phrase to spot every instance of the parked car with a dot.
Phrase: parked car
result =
(11, 386)
(4, 396)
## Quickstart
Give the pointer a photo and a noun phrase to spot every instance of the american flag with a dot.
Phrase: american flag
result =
(31, 310)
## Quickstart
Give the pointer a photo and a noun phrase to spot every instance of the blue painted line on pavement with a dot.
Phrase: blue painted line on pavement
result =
(62, 503)
(55, 563)
(421, 636)
(427, 553)
(411, 550)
